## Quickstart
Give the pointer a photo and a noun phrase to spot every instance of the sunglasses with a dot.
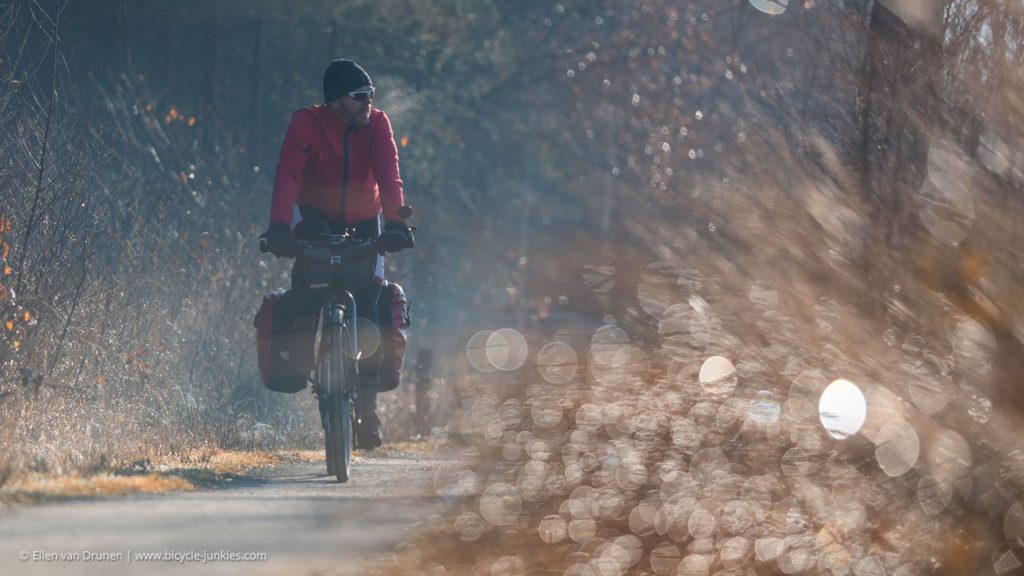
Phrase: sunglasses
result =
(362, 95)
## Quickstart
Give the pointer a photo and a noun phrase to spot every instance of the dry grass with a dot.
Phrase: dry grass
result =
(40, 488)
(306, 456)
(197, 469)
(401, 448)
(239, 462)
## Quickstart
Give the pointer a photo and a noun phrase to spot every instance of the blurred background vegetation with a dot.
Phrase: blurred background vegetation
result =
(830, 185)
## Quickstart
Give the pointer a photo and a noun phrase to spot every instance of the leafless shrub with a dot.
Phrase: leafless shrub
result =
(131, 335)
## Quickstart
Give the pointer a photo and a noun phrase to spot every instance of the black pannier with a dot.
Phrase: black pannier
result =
(393, 316)
(285, 340)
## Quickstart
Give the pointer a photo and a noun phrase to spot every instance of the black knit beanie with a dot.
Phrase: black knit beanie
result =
(342, 77)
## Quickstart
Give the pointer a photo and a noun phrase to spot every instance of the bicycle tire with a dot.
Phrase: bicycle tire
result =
(344, 440)
(340, 427)
(329, 446)
(323, 388)
(343, 372)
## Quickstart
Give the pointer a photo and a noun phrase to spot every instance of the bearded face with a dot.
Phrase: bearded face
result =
(355, 110)
(361, 117)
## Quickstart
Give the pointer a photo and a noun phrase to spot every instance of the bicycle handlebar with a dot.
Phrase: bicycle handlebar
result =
(339, 241)
(343, 246)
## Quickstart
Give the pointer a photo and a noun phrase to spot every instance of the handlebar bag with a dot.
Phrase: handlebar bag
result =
(285, 339)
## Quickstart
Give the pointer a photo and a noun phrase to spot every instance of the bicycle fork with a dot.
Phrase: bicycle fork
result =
(347, 387)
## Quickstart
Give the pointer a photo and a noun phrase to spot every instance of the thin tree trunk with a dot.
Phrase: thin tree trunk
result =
(71, 314)
(37, 196)
(903, 67)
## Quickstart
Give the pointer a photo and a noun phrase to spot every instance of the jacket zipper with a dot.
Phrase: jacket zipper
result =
(344, 175)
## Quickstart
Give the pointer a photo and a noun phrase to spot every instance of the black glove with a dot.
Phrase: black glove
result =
(278, 240)
(396, 235)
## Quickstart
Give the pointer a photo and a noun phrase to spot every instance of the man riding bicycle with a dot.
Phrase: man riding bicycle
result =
(338, 169)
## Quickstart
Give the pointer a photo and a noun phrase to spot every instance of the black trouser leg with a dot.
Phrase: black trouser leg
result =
(367, 409)
(368, 433)
(366, 309)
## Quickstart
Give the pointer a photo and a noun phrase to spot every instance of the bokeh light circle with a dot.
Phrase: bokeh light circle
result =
(553, 529)
(842, 409)
(763, 408)
(694, 565)
(476, 351)
(470, 526)
(770, 7)
(557, 362)
(500, 504)
(506, 349)
(582, 529)
(367, 337)
(1013, 524)
(664, 559)
(898, 447)
(599, 277)
(718, 376)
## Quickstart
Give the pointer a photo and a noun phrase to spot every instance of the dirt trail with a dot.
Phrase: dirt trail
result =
(299, 518)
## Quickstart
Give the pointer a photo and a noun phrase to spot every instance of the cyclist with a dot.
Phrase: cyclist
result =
(338, 168)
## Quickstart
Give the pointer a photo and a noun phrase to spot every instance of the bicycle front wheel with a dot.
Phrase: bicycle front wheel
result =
(340, 427)
(338, 433)
(342, 407)
(324, 387)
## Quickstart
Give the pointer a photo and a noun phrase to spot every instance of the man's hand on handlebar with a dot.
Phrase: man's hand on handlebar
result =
(396, 236)
(278, 241)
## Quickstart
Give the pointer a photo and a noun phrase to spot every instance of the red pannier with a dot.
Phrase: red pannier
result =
(393, 315)
(285, 339)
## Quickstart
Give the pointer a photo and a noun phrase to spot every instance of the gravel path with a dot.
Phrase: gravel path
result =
(303, 521)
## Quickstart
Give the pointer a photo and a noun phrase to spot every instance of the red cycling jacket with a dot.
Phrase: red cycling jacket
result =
(311, 168)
